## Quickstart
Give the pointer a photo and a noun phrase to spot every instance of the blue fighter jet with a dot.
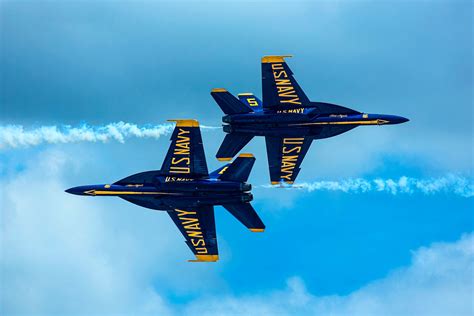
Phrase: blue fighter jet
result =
(287, 119)
(184, 188)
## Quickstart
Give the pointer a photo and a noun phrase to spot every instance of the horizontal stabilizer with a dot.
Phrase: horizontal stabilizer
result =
(228, 103)
(246, 214)
(231, 145)
(239, 169)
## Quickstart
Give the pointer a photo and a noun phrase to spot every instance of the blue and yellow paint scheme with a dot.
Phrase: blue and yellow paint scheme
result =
(287, 119)
(184, 188)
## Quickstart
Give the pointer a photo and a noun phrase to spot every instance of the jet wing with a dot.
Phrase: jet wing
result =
(199, 229)
(280, 90)
(285, 155)
(185, 157)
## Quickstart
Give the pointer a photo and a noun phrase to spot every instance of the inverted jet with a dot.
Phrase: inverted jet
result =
(187, 192)
(287, 119)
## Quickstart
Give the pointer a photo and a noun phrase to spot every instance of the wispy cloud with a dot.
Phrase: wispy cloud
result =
(450, 183)
(17, 136)
(438, 281)
(51, 240)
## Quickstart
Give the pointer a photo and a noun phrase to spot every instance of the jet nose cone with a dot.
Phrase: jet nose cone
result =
(75, 190)
(403, 119)
(393, 119)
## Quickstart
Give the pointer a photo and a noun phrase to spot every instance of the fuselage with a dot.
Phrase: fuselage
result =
(173, 192)
(302, 122)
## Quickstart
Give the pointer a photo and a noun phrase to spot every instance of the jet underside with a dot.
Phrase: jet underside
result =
(173, 195)
(300, 125)
(287, 119)
(185, 189)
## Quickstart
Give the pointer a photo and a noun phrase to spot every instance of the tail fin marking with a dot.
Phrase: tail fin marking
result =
(251, 101)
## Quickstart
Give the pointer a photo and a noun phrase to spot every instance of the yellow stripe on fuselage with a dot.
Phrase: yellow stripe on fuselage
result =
(373, 122)
(129, 193)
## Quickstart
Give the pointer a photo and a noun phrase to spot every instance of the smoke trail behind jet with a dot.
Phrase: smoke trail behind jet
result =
(450, 183)
(16, 136)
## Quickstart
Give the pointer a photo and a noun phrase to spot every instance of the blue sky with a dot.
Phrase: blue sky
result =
(324, 252)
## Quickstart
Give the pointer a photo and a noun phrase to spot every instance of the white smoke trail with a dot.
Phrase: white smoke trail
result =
(15, 136)
(404, 185)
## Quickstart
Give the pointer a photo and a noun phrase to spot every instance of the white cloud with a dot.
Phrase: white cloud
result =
(439, 281)
(366, 149)
(64, 254)
(53, 250)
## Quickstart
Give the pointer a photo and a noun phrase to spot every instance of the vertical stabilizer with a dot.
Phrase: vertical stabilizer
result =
(239, 169)
(228, 103)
